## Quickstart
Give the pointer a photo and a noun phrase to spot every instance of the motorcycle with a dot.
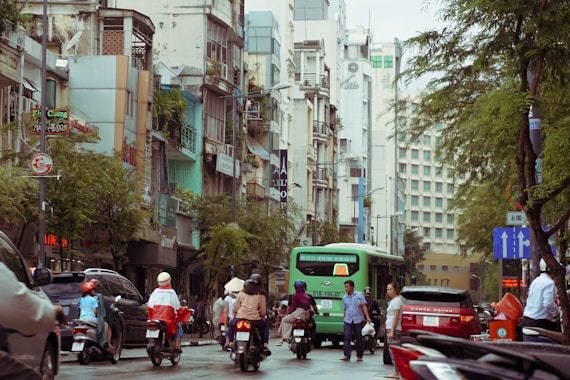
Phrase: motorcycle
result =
(158, 346)
(188, 327)
(247, 347)
(300, 343)
(436, 356)
(221, 338)
(86, 339)
(369, 337)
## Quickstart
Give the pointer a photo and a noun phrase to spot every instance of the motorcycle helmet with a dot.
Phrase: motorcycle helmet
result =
(542, 265)
(183, 302)
(163, 279)
(256, 279)
(300, 284)
(368, 290)
(87, 287)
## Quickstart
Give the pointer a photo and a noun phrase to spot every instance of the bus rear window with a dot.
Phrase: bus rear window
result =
(327, 264)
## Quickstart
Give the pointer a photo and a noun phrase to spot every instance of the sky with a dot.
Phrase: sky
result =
(391, 19)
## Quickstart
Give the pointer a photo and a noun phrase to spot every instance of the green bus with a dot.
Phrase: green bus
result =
(326, 268)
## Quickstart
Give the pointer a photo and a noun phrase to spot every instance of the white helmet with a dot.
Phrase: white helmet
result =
(542, 265)
(163, 279)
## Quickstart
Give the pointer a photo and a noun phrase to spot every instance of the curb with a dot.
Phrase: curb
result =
(197, 342)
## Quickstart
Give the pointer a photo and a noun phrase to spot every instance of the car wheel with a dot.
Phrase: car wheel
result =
(48, 363)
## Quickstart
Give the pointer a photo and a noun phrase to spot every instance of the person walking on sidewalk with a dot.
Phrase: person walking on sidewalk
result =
(355, 312)
(393, 323)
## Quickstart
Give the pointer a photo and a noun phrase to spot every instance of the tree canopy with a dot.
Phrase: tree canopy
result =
(501, 67)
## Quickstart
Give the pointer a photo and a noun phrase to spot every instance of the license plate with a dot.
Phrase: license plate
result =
(222, 327)
(152, 333)
(242, 335)
(77, 346)
(326, 304)
(298, 332)
(431, 321)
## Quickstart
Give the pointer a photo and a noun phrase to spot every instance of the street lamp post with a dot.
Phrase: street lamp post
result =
(478, 278)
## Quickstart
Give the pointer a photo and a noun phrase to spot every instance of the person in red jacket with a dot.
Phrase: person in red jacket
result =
(164, 305)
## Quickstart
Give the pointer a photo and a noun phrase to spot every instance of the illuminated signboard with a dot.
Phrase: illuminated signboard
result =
(327, 258)
(512, 283)
(57, 122)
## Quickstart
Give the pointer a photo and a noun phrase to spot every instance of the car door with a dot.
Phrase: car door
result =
(138, 309)
(28, 348)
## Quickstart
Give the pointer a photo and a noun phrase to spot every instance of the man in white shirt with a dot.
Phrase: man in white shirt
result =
(541, 308)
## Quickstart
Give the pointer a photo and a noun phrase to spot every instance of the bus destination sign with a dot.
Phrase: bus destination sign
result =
(327, 258)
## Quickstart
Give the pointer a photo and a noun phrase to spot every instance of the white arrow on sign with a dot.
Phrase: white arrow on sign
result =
(504, 238)
(522, 243)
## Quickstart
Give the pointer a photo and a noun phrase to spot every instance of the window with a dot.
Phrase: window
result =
(449, 173)
(415, 107)
(432, 267)
(415, 169)
(439, 187)
(129, 104)
(415, 200)
(427, 140)
(415, 216)
(388, 61)
(427, 247)
(415, 184)
(438, 217)
(438, 172)
(401, 137)
(439, 232)
(427, 170)
(438, 202)
(427, 186)
(427, 216)
(450, 218)
(403, 121)
(449, 202)
(376, 61)
(450, 233)
(13, 261)
(421, 267)
(214, 107)
(403, 168)
(427, 155)
(427, 201)
(444, 268)
(402, 153)
(438, 126)
(415, 154)
(216, 42)
(456, 268)
(450, 188)
(427, 232)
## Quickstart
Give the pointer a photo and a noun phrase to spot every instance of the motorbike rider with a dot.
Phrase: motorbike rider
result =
(541, 308)
(163, 304)
(373, 309)
(39, 317)
(105, 319)
(298, 308)
(251, 304)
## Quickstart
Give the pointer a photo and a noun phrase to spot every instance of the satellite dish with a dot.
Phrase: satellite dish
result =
(74, 40)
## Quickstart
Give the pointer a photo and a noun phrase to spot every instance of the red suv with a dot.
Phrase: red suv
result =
(440, 310)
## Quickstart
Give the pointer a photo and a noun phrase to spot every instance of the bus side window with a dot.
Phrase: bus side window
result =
(340, 270)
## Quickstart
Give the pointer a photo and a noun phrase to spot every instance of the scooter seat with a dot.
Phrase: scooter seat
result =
(77, 322)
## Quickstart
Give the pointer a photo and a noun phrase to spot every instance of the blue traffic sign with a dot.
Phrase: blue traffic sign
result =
(511, 243)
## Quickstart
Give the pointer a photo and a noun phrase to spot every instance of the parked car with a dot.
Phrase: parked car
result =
(66, 291)
(440, 310)
(40, 351)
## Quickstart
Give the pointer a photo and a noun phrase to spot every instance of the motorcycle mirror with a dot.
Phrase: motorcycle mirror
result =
(118, 298)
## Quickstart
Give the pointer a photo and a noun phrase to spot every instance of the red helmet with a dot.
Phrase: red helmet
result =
(87, 286)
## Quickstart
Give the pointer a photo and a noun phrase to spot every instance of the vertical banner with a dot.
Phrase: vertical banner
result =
(283, 178)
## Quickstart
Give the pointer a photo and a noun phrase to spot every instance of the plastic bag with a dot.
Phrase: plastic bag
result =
(368, 329)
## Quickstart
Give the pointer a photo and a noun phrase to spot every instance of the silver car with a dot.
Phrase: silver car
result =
(40, 351)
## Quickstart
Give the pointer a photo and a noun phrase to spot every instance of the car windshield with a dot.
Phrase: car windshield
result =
(437, 299)
(63, 290)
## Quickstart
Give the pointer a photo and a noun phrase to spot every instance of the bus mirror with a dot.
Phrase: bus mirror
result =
(340, 270)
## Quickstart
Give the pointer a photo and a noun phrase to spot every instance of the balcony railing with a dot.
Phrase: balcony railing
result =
(312, 81)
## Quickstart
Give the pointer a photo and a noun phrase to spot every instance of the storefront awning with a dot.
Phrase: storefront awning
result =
(30, 85)
(256, 148)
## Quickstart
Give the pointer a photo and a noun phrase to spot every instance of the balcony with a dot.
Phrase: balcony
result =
(255, 190)
(320, 132)
(321, 177)
(312, 82)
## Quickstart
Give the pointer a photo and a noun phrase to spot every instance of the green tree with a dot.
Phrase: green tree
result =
(329, 233)
(18, 195)
(490, 60)
(10, 14)
(414, 252)
(117, 206)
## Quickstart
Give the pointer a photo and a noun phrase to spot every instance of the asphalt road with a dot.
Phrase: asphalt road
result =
(208, 361)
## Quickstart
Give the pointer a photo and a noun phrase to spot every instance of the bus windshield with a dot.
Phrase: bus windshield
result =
(328, 264)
